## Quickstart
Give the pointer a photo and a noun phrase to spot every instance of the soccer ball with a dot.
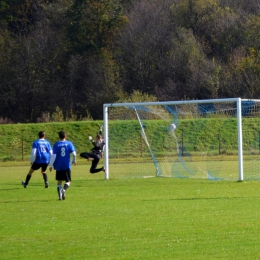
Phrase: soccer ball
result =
(172, 127)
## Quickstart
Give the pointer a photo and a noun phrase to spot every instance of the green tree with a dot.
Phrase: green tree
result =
(160, 58)
(93, 81)
(241, 76)
(57, 115)
(31, 69)
(94, 23)
(216, 27)
(8, 85)
(136, 96)
(19, 15)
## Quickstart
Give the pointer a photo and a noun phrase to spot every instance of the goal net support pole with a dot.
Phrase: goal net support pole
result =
(105, 116)
(146, 141)
(240, 140)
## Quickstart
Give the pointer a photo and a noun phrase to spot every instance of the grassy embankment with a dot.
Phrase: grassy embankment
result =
(196, 136)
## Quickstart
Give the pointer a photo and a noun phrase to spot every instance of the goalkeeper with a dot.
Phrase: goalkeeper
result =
(96, 153)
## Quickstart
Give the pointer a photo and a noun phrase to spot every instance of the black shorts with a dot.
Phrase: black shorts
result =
(36, 166)
(63, 175)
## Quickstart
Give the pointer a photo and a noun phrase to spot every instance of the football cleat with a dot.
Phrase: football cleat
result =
(103, 169)
(46, 184)
(63, 195)
(24, 185)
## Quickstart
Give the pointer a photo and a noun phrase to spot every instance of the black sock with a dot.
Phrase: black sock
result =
(66, 186)
(45, 177)
(28, 177)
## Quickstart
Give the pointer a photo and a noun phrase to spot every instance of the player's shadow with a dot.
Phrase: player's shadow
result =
(213, 198)
(17, 186)
(14, 186)
(24, 201)
(10, 189)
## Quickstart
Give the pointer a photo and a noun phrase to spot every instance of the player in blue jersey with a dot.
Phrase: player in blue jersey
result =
(40, 158)
(60, 160)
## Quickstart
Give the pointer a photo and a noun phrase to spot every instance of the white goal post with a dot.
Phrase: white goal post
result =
(237, 115)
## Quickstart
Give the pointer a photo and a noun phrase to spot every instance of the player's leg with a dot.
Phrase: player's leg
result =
(44, 175)
(27, 179)
(94, 164)
(86, 155)
(34, 167)
(59, 189)
(67, 179)
(59, 183)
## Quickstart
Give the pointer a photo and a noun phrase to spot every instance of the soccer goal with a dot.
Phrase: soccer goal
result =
(216, 139)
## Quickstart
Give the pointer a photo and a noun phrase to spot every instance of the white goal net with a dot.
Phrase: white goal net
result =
(212, 139)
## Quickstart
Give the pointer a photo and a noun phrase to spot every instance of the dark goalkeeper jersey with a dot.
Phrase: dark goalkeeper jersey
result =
(98, 147)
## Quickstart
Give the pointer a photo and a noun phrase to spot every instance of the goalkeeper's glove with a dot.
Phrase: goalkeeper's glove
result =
(90, 138)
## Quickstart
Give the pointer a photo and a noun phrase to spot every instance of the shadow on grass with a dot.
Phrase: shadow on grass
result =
(215, 198)
(10, 189)
(20, 186)
(25, 201)
(15, 186)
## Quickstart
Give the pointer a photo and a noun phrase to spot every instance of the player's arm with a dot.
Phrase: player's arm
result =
(92, 140)
(102, 148)
(74, 161)
(53, 157)
(51, 153)
(50, 149)
(33, 155)
(100, 129)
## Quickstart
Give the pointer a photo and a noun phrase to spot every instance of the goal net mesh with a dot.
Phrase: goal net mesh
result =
(183, 141)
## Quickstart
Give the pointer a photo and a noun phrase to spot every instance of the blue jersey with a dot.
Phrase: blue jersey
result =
(43, 149)
(63, 149)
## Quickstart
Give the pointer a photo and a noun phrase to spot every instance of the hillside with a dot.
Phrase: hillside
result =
(171, 49)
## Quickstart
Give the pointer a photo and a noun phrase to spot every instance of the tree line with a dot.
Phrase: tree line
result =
(68, 57)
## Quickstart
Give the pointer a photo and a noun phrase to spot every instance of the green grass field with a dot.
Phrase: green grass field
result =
(153, 218)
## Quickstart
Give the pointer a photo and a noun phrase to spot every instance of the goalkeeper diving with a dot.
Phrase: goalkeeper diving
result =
(96, 153)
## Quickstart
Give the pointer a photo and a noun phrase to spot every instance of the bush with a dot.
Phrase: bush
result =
(5, 120)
